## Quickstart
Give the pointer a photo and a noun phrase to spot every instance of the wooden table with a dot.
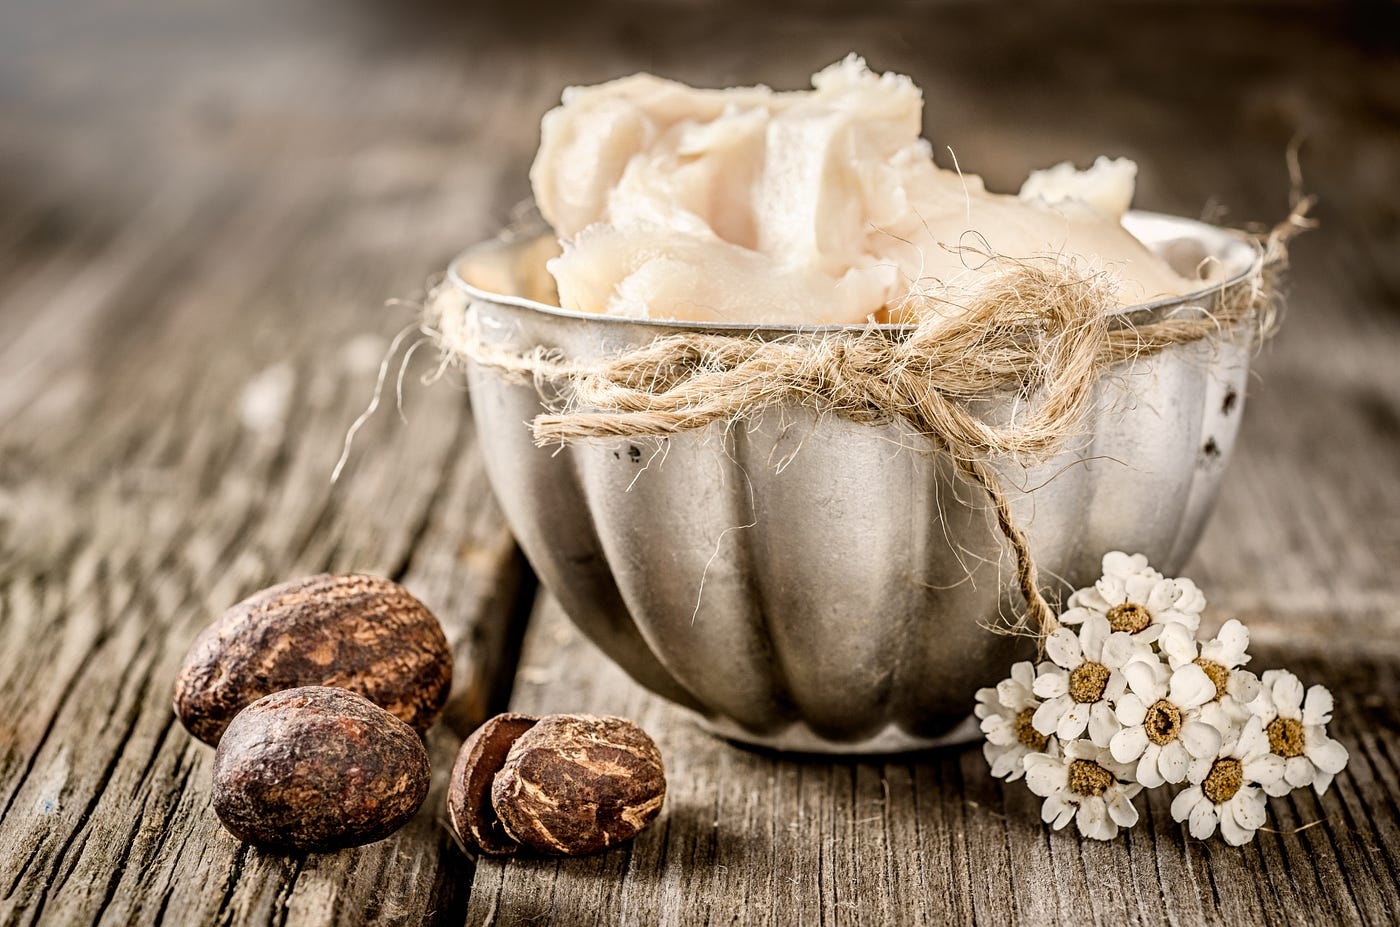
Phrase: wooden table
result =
(202, 210)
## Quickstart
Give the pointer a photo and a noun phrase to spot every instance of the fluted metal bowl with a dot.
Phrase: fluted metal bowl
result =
(807, 583)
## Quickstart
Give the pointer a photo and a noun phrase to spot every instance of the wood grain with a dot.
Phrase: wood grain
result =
(755, 838)
(176, 387)
(201, 213)
(122, 548)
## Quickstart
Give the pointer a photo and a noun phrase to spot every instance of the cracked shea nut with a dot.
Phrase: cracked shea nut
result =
(356, 632)
(576, 784)
(318, 768)
(469, 809)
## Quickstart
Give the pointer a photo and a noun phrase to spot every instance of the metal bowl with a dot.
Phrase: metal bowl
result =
(807, 583)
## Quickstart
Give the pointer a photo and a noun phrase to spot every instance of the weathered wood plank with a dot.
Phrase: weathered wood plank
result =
(199, 211)
(175, 399)
(188, 323)
(754, 838)
(106, 798)
(113, 798)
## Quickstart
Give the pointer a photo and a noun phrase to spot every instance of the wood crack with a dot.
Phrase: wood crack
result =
(65, 694)
(224, 914)
(56, 881)
(430, 510)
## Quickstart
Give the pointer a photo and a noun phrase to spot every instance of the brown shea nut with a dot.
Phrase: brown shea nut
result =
(469, 808)
(576, 784)
(318, 768)
(356, 632)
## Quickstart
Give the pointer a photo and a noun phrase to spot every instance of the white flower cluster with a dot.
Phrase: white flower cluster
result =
(1130, 698)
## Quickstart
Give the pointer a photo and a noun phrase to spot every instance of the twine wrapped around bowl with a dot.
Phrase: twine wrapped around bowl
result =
(811, 536)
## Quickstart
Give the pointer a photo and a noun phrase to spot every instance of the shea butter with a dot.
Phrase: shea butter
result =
(821, 206)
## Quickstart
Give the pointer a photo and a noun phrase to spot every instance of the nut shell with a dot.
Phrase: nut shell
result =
(317, 768)
(356, 632)
(576, 784)
(469, 807)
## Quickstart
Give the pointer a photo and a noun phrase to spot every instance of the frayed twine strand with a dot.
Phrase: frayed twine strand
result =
(1039, 329)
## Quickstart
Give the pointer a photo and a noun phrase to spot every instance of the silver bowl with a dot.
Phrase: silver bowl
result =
(806, 583)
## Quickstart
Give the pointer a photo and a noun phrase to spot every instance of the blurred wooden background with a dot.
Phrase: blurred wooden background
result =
(202, 211)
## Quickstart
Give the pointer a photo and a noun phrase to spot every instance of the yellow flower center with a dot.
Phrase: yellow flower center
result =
(1026, 732)
(1285, 737)
(1216, 673)
(1163, 722)
(1088, 778)
(1129, 616)
(1225, 779)
(1087, 682)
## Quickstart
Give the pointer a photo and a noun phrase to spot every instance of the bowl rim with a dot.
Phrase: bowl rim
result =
(1233, 246)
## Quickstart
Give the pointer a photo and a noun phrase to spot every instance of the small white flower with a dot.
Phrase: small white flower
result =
(1087, 785)
(1129, 698)
(1225, 788)
(1006, 713)
(1084, 681)
(1121, 565)
(1137, 599)
(1222, 658)
(1295, 727)
(1163, 729)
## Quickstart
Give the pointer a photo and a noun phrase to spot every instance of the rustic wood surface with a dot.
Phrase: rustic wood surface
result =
(202, 209)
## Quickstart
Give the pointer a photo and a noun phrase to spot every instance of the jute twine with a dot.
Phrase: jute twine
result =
(1039, 329)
